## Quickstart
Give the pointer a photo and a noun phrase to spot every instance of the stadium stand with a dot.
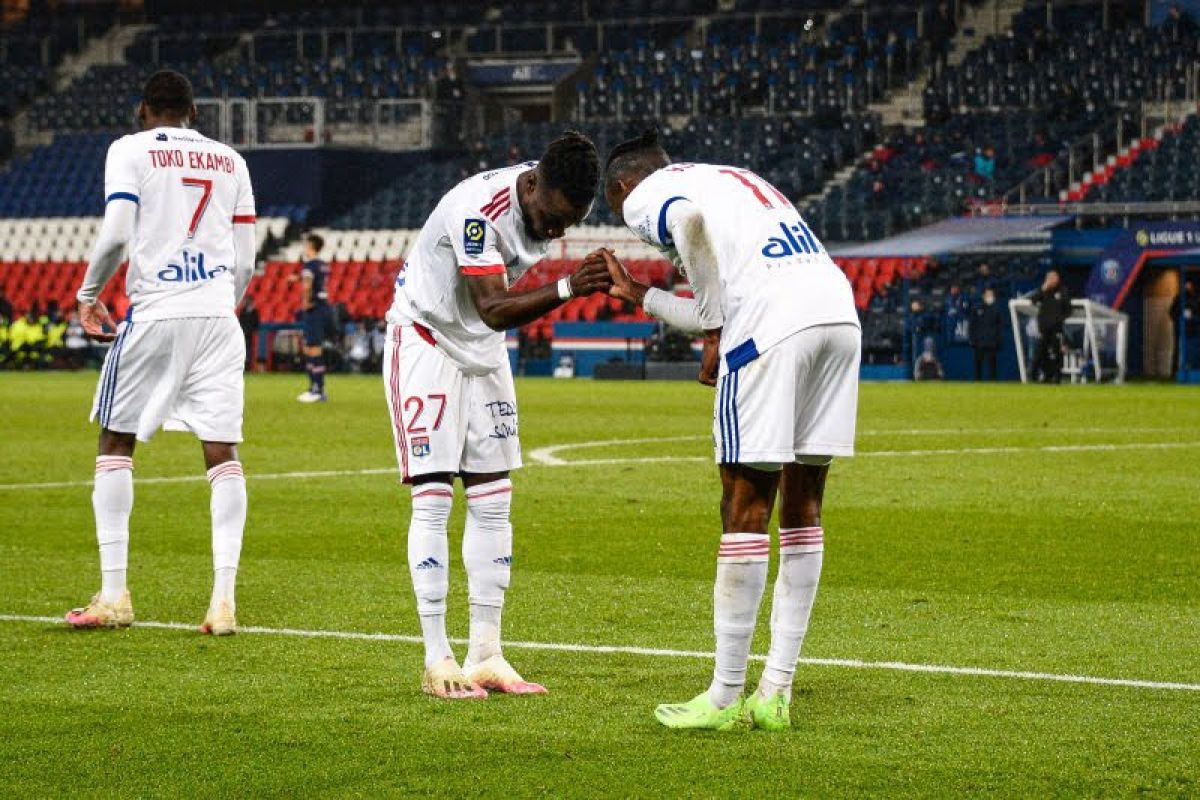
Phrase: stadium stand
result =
(1076, 74)
(33, 46)
(1157, 169)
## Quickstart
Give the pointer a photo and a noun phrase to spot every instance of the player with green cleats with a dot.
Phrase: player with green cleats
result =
(700, 713)
(768, 713)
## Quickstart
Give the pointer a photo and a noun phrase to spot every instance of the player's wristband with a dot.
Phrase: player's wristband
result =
(564, 289)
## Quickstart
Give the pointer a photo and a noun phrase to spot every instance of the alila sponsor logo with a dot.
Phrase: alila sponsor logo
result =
(795, 240)
(192, 270)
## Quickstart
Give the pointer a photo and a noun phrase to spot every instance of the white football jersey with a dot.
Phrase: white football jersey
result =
(476, 229)
(190, 192)
(775, 277)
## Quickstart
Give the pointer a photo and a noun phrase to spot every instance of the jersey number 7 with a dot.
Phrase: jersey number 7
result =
(205, 185)
(748, 179)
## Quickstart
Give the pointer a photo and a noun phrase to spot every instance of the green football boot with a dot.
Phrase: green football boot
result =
(768, 713)
(699, 713)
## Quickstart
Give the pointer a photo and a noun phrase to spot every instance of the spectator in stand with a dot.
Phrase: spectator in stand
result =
(251, 321)
(927, 367)
(55, 350)
(358, 347)
(378, 342)
(6, 309)
(955, 314)
(987, 334)
(940, 31)
(923, 323)
(985, 164)
(878, 194)
(1054, 306)
(983, 278)
(1044, 153)
(27, 338)
(7, 141)
(5, 350)
(78, 345)
(1179, 23)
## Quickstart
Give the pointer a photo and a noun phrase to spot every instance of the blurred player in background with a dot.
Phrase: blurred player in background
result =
(781, 343)
(316, 316)
(185, 207)
(450, 388)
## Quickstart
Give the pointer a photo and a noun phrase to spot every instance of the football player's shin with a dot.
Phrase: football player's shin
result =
(428, 564)
(741, 578)
(487, 555)
(801, 551)
(228, 509)
(112, 501)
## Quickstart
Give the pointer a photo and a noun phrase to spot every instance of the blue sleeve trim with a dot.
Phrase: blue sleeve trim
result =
(741, 355)
(122, 196)
(664, 235)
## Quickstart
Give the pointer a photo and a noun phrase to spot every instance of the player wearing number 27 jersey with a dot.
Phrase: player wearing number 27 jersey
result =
(450, 389)
(182, 206)
(782, 343)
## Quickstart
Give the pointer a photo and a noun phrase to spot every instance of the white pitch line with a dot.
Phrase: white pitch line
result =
(554, 461)
(264, 476)
(953, 451)
(548, 456)
(850, 663)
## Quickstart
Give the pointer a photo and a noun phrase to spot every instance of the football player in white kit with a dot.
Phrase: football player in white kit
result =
(450, 388)
(781, 344)
(185, 207)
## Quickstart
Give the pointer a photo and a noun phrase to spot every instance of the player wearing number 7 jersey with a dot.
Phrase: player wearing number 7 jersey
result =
(782, 343)
(183, 205)
(450, 389)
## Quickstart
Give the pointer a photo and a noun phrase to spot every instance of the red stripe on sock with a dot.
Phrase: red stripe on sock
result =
(434, 493)
(504, 490)
(225, 473)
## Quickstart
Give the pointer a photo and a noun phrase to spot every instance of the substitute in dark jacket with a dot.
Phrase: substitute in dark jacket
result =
(986, 334)
(1054, 306)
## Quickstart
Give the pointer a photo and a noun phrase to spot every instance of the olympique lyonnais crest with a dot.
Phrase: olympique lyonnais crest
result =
(1111, 271)
(420, 446)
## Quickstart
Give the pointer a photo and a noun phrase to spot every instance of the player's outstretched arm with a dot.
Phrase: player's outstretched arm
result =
(115, 233)
(501, 308)
(678, 312)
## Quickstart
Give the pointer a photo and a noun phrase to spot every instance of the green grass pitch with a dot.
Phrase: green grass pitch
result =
(955, 539)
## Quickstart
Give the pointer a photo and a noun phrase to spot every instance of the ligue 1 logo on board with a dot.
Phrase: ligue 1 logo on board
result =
(1142, 238)
(1111, 271)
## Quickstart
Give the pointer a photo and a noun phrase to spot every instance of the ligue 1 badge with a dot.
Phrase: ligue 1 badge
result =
(473, 236)
(420, 446)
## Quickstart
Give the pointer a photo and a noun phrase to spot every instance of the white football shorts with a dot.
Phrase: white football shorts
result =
(799, 398)
(442, 419)
(175, 374)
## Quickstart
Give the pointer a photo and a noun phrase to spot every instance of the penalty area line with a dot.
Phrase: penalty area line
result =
(654, 652)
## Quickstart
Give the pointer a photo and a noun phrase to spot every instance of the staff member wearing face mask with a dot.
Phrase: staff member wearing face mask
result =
(986, 332)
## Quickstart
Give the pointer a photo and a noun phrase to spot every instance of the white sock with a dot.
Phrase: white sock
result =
(741, 578)
(801, 551)
(487, 555)
(112, 501)
(228, 509)
(429, 564)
